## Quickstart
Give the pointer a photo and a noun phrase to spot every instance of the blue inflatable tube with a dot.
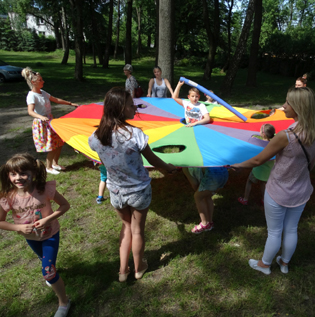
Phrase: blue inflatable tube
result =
(212, 95)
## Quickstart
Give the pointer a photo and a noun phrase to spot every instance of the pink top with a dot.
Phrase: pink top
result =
(289, 183)
(28, 209)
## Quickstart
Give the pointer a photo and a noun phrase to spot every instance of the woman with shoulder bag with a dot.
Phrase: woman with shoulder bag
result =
(289, 185)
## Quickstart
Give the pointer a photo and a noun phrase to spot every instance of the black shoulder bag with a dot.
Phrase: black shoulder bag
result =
(303, 148)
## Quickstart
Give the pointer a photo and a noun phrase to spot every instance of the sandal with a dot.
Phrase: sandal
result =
(138, 275)
(242, 201)
(123, 277)
(207, 227)
(58, 167)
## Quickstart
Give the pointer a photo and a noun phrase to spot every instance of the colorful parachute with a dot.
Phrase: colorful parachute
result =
(225, 140)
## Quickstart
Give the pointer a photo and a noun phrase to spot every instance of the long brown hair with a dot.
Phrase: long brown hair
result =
(21, 163)
(113, 115)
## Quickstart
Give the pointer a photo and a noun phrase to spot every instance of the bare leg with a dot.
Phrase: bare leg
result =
(204, 205)
(101, 188)
(248, 188)
(193, 182)
(138, 219)
(57, 155)
(49, 159)
(59, 289)
(125, 238)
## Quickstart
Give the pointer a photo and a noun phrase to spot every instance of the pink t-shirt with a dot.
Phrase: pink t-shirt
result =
(28, 209)
(289, 183)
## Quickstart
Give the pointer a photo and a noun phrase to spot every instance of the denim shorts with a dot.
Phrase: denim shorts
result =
(139, 200)
(209, 178)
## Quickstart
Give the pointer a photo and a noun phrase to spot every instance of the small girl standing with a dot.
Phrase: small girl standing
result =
(119, 145)
(260, 174)
(26, 193)
(39, 107)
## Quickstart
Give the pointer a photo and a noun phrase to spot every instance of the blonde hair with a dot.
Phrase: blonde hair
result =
(193, 90)
(302, 101)
(29, 76)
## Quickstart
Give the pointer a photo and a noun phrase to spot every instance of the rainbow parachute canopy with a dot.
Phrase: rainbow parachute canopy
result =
(225, 140)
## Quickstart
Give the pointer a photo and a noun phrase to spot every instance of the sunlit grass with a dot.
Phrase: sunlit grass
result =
(189, 275)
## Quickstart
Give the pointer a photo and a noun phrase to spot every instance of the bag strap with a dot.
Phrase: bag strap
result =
(303, 148)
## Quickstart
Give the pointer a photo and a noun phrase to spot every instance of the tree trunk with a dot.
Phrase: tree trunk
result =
(227, 63)
(234, 65)
(253, 59)
(117, 30)
(157, 30)
(77, 9)
(128, 32)
(166, 51)
(64, 37)
(138, 9)
(109, 35)
(212, 36)
(57, 34)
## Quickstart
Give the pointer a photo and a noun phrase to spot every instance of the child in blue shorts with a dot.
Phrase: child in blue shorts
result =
(205, 182)
(102, 186)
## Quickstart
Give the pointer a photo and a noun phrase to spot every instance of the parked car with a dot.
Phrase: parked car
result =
(8, 72)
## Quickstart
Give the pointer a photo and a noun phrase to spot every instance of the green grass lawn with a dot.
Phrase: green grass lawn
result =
(189, 275)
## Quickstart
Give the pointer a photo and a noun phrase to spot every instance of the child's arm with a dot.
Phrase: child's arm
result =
(32, 113)
(62, 102)
(176, 93)
(63, 207)
(4, 225)
(204, 120)
(168, 85)
(156, 161)
(150, 87)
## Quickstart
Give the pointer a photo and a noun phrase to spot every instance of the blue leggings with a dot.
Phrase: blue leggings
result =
(47, 251)
(281, 221)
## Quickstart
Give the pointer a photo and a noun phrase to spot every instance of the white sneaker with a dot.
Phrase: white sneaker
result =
(284, 268)
(254, 265)
(52, 171)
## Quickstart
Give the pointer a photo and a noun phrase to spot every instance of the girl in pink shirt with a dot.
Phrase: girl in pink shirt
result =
(26, 193)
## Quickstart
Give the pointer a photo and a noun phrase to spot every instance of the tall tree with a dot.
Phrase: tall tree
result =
(138, 10)
(128, 33)
(212, 36)
(230, 4)
(166, 39)
(156, 39)
(241, 46)
(117, 29)
(109, 35)
(253, 58)
(77, 13)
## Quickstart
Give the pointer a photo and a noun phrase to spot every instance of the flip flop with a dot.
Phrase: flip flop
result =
(58, 167)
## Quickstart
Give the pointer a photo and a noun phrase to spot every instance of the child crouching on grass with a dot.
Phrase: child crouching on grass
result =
(260, 174)
(204, 181)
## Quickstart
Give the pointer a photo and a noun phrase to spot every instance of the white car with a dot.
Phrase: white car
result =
(8, 72)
